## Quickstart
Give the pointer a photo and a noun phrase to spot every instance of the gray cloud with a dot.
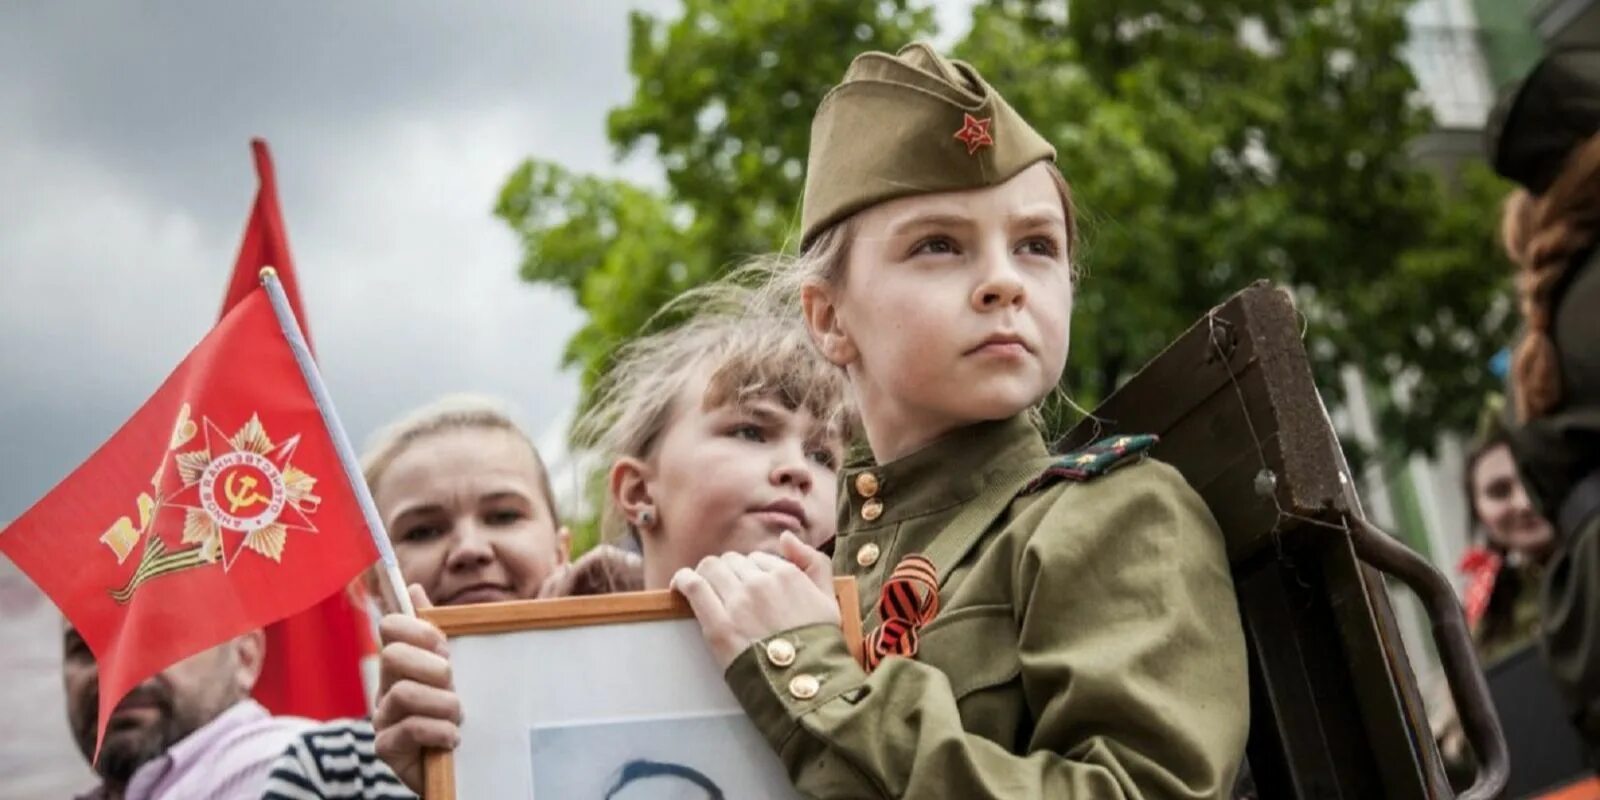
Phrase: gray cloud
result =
(126, 181)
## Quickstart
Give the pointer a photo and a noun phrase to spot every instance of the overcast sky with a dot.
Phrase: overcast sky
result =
(125, 181)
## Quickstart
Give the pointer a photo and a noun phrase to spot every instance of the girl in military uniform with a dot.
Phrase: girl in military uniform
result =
(1041, 626)
(721, 433)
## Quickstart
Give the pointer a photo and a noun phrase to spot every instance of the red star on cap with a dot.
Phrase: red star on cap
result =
(975, 133)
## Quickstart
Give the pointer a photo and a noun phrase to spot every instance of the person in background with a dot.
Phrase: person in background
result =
(1503, 569)
(1545, 136)
(1513, 543)
(190, 730)
(467, 503)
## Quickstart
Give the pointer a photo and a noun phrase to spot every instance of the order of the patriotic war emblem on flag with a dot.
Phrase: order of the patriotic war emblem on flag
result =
(234, 494)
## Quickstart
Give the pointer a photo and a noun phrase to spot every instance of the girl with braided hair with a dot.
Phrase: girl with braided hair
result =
(1546, 136)
(1550, 237)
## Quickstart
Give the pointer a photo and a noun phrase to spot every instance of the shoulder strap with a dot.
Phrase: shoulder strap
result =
(1088, 463)
(974, 519)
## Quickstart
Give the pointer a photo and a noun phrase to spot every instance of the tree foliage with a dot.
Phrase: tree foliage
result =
(723, 96)
(1209, 143)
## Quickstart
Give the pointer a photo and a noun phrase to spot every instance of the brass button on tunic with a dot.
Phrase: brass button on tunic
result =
(804, 687)
(867, 484)
(780, 652)
(867, 555)
(872, 509)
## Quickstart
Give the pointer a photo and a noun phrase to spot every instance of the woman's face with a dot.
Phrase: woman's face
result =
(1503, 506)
(469, 518)
(954, 309)
(729, 478)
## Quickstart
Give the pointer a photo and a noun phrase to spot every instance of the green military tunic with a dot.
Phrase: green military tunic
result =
(1087, 643)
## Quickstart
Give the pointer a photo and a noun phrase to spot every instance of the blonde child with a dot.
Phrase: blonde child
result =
(722, 434)
(1041, 626)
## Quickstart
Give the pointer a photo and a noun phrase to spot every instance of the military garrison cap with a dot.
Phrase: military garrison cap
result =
(907, 124)
(1539, 122)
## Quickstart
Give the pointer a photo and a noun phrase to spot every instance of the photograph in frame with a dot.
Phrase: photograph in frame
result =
(710, 756)
(604, 696)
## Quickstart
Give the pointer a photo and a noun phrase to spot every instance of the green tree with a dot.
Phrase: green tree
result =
(1209, 143)
(723, 95)
(1262, 140)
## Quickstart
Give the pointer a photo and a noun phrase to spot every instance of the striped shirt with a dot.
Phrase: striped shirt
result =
(335, 761)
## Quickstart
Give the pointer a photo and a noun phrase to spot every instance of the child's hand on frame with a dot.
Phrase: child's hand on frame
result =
(742, 599)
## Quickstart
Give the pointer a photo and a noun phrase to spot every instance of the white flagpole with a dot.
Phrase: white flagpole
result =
(341, 442)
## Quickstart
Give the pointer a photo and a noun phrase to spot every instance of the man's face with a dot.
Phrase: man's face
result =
(159, 712)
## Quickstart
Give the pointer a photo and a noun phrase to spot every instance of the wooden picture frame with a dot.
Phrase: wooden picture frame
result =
(476, 632)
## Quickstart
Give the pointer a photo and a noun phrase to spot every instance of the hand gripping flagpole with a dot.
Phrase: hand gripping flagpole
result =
(341, 442)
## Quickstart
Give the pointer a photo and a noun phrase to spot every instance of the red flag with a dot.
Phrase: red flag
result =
(313, 662)
(266, 243)
(220, 507)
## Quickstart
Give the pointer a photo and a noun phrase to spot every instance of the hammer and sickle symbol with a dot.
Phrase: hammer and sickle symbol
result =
(244, 497)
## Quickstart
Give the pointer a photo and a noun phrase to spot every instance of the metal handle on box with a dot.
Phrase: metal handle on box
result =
(1449, 627)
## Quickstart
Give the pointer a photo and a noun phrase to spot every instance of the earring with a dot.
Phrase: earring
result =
(647, 518)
